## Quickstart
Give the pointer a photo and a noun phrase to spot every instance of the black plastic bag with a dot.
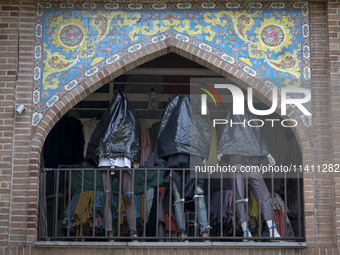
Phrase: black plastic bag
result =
(118, 133)
(183, 128)
(240, 139)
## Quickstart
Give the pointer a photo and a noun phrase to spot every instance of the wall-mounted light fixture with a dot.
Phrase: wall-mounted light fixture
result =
(153, 103)
(20, 109)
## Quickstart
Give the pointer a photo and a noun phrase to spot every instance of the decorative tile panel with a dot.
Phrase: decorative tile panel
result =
(269, 41)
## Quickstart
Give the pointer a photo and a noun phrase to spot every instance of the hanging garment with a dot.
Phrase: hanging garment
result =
(98, 223)
(215, 213)
(99, 202)
(138, 204)
(166, 202)
(88, 127)
(66, 216)
(154, 217)
(281, 217)
(183, 128)
(228, 200)
(76, 179)
(212, 160)
(149, 198)
(118, 133)
(145, 142)
(153, 158)
(254, 216)
(293, 206)
(84, 211)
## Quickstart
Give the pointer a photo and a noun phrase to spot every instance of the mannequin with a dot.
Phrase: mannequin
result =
(242, 145)
(184, 140)
(116, 143)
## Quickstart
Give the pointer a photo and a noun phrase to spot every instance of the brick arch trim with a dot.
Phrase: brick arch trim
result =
(145, 54)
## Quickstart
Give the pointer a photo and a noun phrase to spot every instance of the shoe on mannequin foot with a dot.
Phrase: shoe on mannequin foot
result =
(204, 236)
(246, 231)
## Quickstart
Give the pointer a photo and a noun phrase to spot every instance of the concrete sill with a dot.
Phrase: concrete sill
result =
(141, 245)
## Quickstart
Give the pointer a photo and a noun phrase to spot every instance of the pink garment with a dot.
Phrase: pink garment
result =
(228, 199)
(145, 142)
(98, 222)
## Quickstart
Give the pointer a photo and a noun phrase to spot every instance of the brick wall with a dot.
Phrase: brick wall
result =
(320, 203)
(333, 11)
(19, 153)
(9, 17)
(16, 83)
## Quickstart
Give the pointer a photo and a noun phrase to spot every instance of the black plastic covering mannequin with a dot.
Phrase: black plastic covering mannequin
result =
(117, 140)
(184, 140)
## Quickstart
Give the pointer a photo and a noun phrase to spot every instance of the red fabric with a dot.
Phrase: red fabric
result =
(174, 227)
(279, 216)
(145, 142)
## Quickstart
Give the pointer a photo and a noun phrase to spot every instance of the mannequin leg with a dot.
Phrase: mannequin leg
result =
(202, 216)
(178, 209)
(240, 206)
(106, 179)
(262, 196)
(129, 201)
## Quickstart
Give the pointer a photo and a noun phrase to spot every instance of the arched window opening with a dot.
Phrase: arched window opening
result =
(72, 195)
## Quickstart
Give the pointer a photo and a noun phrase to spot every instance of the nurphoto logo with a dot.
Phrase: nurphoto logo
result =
(238, 105)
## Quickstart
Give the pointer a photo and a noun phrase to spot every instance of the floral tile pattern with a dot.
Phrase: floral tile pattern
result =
(269, 41)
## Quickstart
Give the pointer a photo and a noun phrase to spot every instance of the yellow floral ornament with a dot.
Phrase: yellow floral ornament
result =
(216, 19)
(55, 62)
(69, 34)
(180, 26)
(101, 24)
(243, 22)
(287, 62)
(274, 34)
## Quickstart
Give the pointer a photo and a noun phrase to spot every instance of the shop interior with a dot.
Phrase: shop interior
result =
(148, 88)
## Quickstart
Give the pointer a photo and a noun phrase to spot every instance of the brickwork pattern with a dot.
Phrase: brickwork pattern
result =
(8, 65)
(17, 21)
(333, 11)
(319, 202)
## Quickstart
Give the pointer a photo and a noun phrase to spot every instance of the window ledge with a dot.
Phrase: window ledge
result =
(171, 244)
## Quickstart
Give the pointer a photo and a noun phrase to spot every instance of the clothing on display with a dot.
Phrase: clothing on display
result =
(183, 139)
(145, 142)
(241, 140)
(244, 145)
(116, 142)
(156, 214)
(153, 158)
(183, 129)
(215, 212)
(118, 133)
(88, 127)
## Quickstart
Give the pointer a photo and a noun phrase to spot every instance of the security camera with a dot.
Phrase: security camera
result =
(20, 109)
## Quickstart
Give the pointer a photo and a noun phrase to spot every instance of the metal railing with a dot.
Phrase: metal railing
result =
(65, 190)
